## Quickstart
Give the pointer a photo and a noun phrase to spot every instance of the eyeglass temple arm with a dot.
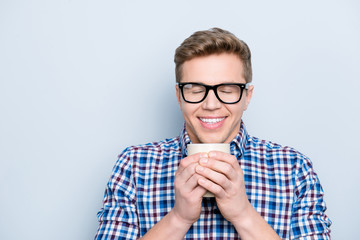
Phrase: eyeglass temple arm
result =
(247, 85)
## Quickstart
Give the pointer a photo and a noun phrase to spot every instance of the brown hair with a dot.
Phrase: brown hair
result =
(212, 41)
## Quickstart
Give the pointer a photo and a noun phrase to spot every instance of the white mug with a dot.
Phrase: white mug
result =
(207, 147)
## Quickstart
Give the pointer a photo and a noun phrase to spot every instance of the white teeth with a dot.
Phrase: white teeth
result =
(211, 120)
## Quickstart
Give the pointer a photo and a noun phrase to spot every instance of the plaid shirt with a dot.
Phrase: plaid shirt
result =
(280, 184)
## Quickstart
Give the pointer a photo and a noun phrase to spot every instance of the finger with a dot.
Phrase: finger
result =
(181, 179)
(189, 160)
(220, 167)
(186, 173)
(192, 182)
(199, 191)
(217, 190)
(225, 157)
(215, 177)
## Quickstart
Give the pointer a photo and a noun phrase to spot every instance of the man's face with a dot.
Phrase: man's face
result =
(211, 121)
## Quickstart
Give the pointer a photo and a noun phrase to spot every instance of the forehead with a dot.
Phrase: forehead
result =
(214, 69)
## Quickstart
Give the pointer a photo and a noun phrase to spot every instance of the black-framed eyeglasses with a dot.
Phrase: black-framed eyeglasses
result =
(228, 93)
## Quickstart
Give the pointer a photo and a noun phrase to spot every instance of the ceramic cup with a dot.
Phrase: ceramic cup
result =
(207, 147)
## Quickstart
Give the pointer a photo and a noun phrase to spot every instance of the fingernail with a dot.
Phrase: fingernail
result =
(203, 160)
(203, 155)
(212, 154)
(200, 168)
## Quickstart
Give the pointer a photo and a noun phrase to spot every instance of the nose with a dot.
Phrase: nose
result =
(211, 102)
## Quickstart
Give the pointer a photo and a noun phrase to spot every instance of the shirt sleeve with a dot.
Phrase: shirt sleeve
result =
(118, 218)
(308, 220)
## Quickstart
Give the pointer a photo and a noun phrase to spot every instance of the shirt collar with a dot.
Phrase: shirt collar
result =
(237, 144)
(184, 141)
(240, 141)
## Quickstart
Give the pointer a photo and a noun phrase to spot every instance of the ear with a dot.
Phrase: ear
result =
(248, 96)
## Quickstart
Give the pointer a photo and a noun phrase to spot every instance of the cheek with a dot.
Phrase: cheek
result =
(237, 110)
(186, 110)
(189, 110)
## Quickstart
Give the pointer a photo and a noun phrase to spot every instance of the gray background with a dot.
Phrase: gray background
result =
(78, 80)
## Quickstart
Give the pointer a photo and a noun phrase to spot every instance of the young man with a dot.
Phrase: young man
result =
(262, 190)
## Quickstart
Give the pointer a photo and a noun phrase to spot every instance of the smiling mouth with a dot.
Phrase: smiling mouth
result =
(211, 120)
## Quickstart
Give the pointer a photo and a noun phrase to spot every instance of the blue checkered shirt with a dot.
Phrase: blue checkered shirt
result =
(280, 184)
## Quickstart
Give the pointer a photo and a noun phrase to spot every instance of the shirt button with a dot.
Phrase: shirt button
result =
(216, 211)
